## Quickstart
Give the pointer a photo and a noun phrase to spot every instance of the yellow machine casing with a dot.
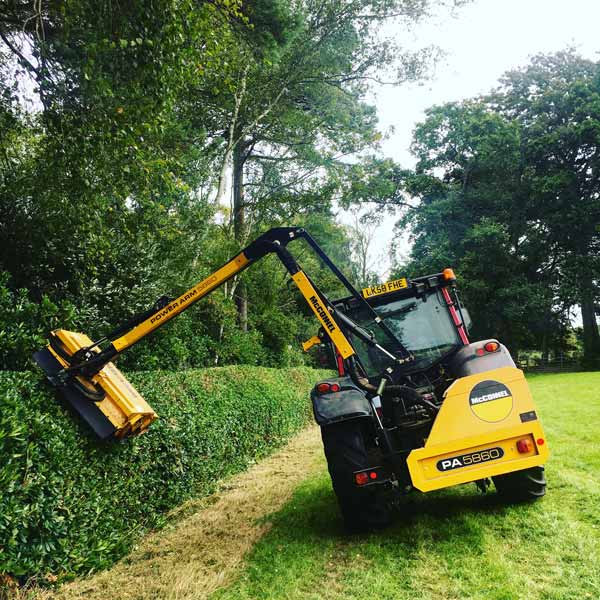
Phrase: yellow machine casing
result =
(476, 431)
(123, 406)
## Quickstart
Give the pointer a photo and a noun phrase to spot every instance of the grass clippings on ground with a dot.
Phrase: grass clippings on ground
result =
(206, 544)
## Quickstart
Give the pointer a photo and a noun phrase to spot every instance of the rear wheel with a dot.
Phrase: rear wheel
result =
(346, 452)
(521, 486)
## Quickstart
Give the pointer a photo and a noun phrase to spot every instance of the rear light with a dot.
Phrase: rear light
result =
(524, 446)
(373, 474)
(324, 388)
(540, 441)
(361, 478)
(488, 347)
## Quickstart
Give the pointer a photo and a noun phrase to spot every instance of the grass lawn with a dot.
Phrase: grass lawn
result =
(456, 543)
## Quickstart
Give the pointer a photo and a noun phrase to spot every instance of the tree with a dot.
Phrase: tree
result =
(362, 234)
(508, 188)
(298, 107)
(101, 190)
(556, 102)
(475, 218)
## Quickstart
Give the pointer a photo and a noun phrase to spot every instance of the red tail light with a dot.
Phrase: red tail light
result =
(525, 445)
(324, 388)
(488, 347)
(361, 478)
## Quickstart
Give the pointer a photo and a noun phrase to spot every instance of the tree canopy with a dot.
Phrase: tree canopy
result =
(509, 194)
(124, 130)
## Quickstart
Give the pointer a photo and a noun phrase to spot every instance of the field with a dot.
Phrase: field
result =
(283, 538)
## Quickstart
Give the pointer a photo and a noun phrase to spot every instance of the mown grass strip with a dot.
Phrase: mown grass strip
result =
(204, 546)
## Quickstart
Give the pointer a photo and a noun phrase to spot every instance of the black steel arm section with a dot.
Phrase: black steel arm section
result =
(369, 309)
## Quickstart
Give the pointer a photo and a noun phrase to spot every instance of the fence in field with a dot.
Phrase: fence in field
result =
(559, 364)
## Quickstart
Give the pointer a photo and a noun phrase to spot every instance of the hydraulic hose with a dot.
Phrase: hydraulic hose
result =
(407, 393)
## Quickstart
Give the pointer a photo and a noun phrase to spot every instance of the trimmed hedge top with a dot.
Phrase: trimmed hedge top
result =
(70, 503)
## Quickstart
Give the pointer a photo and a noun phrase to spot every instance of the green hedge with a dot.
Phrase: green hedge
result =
(69, 503)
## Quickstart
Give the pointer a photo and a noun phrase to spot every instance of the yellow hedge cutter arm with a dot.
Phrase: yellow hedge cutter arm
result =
(83, 370)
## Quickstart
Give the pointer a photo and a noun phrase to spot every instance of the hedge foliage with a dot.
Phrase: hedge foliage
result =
(70, 503)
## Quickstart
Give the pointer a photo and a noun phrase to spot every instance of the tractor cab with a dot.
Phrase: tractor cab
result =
(423, 316)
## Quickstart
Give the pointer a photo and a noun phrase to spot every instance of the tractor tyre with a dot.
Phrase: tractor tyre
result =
(365, 508)
(521, 486)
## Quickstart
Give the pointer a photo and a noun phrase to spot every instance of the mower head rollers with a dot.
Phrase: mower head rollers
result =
(110, 405)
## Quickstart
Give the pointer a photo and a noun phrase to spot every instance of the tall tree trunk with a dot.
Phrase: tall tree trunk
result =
(591, 337)
(239, 226)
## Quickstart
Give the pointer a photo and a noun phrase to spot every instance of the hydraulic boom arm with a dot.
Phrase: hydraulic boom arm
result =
(83, 369)
(274, 241)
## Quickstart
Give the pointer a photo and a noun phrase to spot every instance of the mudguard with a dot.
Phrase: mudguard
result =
(332, 407)
(467, 362)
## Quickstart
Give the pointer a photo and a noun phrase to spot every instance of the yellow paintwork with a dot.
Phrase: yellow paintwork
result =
(313, 341)
(213, 281)
(172, 309)
(495, 411)
(384, 288)
(123, 406)
(330, 327)
(460, 429)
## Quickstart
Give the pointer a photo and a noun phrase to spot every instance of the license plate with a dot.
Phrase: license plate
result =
(385, 288)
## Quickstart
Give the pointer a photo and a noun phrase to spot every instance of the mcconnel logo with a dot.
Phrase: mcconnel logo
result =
(323, 314)
(491, 401)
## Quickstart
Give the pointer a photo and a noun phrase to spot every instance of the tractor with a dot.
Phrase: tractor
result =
(414, 404)
(456, 412)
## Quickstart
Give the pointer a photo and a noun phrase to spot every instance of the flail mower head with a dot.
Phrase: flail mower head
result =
(105, 399)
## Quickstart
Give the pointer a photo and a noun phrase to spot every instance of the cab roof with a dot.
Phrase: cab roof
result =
(401, 288)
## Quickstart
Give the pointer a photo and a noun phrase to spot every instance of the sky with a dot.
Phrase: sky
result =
(481, 42)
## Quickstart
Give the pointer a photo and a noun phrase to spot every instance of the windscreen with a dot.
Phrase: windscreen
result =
(423, 325)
